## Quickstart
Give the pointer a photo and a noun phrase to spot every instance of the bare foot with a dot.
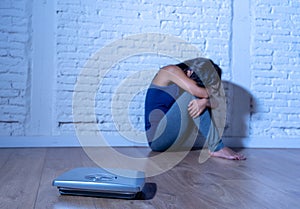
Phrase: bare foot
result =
(227, 153)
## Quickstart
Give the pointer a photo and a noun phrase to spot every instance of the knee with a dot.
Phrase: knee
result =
(156, 148)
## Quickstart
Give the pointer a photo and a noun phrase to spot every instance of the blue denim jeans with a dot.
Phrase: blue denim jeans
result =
(177, 130)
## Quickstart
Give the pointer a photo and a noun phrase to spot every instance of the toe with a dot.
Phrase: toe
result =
(241, 157)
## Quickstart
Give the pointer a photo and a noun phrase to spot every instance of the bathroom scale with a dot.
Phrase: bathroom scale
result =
(99, 182)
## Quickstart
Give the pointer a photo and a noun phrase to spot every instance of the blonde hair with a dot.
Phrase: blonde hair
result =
(206, 70)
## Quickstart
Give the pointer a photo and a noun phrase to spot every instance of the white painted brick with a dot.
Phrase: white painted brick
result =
(265, 88)
(63, 113)
(20, 22)
(294, 104)
(5, 85)
(17, 101)
(8, 93)
(284, 39)
(8, 109)
(285, 96)
(3, 101)
(5, 129)
(285, 89)
(294, 117)
(69, 2)
(17, 118)
(12, 45)
(17, 129)
(13, 77)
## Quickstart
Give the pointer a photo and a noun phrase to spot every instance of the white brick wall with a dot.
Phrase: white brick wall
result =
(14, 66)
(275, 65)
(84, 27)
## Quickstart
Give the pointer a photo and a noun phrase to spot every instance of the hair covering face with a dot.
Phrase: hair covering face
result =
(205, 72)
(208, 75)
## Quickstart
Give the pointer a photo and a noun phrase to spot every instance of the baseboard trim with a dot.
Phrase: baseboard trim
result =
(64, 141)
(119, 141)
(262, 142)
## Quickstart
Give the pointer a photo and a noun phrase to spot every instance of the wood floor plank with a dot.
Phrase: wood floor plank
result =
(20, 178)
(4, 156)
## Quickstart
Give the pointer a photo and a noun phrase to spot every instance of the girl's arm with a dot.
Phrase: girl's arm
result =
(173, 74)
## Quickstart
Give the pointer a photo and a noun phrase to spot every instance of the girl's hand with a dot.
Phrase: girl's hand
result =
(197, 106)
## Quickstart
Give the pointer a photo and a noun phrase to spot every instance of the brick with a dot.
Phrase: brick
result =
(9, 109)
(17, 129)
(8, 93)
(5, 129)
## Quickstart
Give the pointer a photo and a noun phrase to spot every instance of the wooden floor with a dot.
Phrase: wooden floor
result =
(269, 178)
